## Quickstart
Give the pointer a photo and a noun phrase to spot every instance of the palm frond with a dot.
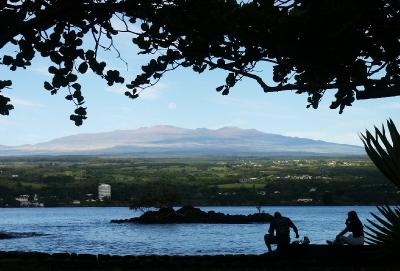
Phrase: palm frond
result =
(384, 154)
(385, 230)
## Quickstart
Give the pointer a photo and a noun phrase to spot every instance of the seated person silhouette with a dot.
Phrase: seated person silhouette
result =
(353, 225)
(279, 225)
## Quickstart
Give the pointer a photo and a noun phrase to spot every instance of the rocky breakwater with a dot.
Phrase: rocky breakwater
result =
(190, 214)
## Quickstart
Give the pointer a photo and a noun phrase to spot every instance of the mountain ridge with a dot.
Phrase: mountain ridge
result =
(176, 140)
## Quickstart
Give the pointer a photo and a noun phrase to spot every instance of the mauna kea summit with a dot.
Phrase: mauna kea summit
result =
(165, 140)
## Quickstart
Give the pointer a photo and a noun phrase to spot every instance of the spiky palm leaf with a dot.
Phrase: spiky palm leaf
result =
(386, 156)
(385, 230)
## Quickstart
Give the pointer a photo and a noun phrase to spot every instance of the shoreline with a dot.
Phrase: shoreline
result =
(201, 206)
(311, 257)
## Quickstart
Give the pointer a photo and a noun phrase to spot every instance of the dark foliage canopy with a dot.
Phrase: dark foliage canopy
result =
(351, 47)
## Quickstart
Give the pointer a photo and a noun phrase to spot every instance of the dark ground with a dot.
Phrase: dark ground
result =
(313, 257)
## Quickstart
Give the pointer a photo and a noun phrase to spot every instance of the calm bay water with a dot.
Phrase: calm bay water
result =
(87, 230)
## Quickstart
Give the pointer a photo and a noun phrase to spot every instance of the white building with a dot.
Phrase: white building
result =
(23, 200)
(304, 200)
(104, 191)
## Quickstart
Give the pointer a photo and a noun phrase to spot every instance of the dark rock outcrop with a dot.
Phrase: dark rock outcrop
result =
(4, 235)
(13, 235)
(190, 214)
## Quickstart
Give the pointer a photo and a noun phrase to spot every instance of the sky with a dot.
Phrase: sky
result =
(182, 98)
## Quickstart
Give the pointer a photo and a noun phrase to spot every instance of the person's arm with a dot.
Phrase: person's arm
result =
(271, 228)
(293, 226)
(347, 229)
(343, 232)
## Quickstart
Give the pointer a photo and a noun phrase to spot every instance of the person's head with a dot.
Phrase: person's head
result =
(352, 216)
(277, 215)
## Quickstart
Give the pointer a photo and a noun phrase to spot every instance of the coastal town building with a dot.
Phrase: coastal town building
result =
(28, 201)
(23, 200)
(304, 200)
(104, 191)
(248, 180)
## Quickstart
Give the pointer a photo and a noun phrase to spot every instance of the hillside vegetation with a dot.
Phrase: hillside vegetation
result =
(58, 181)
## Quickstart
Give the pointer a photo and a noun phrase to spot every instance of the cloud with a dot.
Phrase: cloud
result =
(125, 109)
(151, 93)
(148, 94)
(7, 122)
(246, 104)
(172, 106)
(41, 69)
(394, 105)
(17, 102)
(341, 138)
(232, 122)
(117, 89)
(305, 134)
(29, 138)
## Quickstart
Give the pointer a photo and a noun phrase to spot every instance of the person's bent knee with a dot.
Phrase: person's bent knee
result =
(270, 239)
(353, 241)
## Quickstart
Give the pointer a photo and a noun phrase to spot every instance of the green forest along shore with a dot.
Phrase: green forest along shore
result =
(74, 181)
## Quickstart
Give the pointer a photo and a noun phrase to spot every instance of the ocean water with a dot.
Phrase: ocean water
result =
(88, 230)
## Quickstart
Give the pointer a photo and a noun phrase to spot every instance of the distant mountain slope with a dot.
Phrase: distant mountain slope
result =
(170, 140)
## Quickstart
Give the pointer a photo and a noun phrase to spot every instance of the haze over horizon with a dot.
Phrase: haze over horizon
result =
(165, 127)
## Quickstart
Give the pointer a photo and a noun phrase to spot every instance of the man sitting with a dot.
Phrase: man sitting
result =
(281, 226)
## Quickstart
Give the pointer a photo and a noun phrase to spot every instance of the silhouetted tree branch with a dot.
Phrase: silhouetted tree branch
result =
(350, 47)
